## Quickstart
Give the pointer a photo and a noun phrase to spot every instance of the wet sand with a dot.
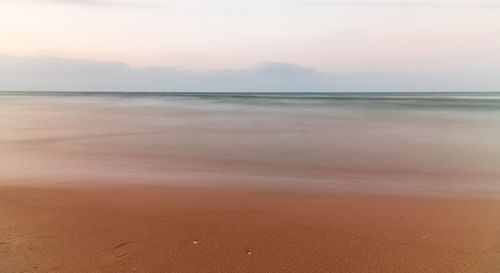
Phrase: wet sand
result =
(213, 229)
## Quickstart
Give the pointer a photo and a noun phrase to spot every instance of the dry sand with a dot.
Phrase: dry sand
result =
(172, 229)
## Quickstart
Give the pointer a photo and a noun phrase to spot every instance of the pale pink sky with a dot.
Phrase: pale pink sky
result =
(330, 35)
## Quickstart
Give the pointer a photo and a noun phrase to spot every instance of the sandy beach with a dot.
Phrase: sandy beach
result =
(175, 229)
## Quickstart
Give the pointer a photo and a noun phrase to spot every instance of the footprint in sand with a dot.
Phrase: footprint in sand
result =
(123, 249)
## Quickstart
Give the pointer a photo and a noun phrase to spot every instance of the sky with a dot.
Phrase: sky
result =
(259, 45)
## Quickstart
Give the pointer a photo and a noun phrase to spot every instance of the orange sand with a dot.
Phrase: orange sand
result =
(152, 229)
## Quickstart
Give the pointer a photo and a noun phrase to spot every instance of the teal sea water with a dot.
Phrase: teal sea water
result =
(398, 143)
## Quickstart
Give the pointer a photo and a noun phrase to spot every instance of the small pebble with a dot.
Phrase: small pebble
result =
(195, 242)
(249, 252)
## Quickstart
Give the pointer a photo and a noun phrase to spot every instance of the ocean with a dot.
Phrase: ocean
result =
(391, 143)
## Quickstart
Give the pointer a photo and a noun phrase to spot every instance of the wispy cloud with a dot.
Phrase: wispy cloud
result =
(108, 3)
(384, 4)
(78, 2)
(280, 3)
(403, 3)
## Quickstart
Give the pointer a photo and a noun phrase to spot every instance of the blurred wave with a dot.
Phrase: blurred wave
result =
(424, 143)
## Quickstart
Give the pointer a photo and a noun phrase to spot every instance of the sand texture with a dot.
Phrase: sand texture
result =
(175, 229)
